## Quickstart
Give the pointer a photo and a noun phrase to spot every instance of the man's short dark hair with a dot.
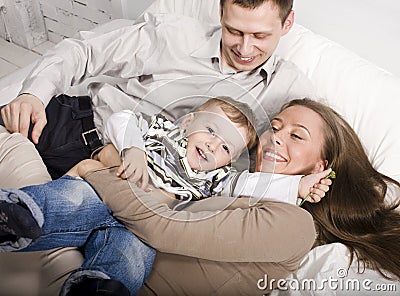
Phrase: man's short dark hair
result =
(285, 6)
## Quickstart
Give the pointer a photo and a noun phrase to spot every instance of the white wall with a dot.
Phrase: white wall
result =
(133, 8)
(24, 23)
(371, 28)
(64, 18)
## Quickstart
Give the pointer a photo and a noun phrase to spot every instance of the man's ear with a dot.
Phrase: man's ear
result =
(288, 24)
(221, 11)
(187, 120)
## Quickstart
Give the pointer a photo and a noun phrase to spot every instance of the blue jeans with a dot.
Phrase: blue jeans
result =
(72, 215)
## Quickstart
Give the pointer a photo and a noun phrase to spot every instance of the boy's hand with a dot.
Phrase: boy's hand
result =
(314, 186)
(134, 167)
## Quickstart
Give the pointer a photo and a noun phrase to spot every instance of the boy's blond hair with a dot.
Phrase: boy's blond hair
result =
(237, 112)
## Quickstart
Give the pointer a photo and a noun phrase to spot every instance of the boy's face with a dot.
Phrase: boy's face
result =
(213, 139)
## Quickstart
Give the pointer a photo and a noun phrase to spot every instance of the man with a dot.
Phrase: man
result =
(167, 53)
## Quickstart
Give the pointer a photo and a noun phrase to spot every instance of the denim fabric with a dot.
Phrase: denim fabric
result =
(74, 216)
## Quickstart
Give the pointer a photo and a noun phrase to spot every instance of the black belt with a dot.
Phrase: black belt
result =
(90, 135)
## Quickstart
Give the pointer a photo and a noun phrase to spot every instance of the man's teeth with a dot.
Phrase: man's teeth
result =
(245, 59)
(273, 155)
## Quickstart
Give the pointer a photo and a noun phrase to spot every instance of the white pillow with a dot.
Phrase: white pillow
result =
(367, 96)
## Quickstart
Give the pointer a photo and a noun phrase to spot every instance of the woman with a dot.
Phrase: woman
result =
(357, 210)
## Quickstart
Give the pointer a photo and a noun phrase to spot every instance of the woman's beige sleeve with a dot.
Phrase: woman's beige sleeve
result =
(263, 232)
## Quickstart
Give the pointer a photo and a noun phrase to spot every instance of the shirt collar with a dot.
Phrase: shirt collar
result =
(211, 49)
(270, 66)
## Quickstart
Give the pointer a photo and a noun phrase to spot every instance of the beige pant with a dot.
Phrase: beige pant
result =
(179, 275)
(35, 273)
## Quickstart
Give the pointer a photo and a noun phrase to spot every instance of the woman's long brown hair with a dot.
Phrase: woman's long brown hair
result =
(355, 212)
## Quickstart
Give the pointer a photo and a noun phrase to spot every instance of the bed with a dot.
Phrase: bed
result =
(366, 95)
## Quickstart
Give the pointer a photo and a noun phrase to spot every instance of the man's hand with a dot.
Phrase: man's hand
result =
(314, 186)
(134, 167)
(20, 112)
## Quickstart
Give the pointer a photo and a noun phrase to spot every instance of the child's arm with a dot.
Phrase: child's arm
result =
(278, 187)
(125, 131)
(314, 186)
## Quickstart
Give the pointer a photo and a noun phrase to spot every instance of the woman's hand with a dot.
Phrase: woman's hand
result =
(134, 167)
(314, 186)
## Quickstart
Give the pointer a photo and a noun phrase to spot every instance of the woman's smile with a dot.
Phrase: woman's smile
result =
(270, 155)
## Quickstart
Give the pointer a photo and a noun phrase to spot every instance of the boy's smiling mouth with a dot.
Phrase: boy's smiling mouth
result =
(201, 153)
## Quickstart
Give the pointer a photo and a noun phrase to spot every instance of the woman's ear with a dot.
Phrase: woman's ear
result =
(320, 166)
(187, 121)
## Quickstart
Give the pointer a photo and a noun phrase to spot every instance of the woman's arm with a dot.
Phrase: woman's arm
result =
(262, 232)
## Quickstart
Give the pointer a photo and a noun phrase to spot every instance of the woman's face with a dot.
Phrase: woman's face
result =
(294, 143)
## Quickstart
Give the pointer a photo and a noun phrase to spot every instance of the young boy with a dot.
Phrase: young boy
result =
(192, 159)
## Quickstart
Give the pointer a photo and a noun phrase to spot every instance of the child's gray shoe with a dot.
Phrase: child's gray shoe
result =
(17, 221)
